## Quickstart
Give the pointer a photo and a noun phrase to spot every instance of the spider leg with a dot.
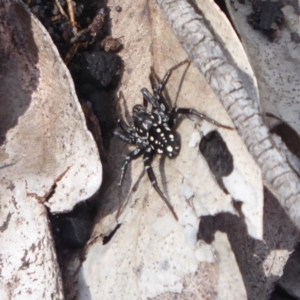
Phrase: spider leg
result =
(154, 80)
(126, 133)
(158, 90)
(131, 156)
(125, 136)
(163, 83)
(190, 111)
(149, 97)
(124, 126)
(162, 103)
(147, 162)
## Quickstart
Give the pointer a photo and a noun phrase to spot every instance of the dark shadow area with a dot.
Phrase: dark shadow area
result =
(163, 176)
(288, 135)
(71, 231)
(286, 288)
(277, 235)
(18, 58)
(219, 159)
(108, 199)
(267, 17)
(107, 238)
(222, 5)
(281, 294)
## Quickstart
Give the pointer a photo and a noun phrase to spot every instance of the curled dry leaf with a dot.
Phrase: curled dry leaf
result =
(217, 248)
(47, 156)
(276, 65)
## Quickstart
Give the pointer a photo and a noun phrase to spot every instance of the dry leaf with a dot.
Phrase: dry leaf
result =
(47, 155)
(276, 65)
(150, 255)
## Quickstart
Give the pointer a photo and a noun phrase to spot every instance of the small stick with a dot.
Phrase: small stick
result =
(60, 8)
(71, 13)
(71, 53)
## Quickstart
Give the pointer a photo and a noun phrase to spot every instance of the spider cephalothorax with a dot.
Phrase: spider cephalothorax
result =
(153, 131)
(154, 127)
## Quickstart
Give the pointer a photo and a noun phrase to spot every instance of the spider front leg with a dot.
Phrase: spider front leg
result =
(149, 98)
(192, 112)
(131, 156)
(147, 163)
(163, 83)
(125, 136)
(157, 100)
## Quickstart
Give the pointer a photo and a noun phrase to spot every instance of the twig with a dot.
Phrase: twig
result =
(60, 8)
(71, 13)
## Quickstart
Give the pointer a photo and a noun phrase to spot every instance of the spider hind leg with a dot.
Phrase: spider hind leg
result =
(190, 111)
(131, 156)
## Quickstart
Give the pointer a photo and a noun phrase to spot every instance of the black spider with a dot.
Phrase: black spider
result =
(153, 132)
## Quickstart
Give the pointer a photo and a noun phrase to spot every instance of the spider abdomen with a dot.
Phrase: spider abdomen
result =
(164, 140)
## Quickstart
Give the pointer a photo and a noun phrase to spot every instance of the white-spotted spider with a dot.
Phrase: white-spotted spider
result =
(153, 132)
